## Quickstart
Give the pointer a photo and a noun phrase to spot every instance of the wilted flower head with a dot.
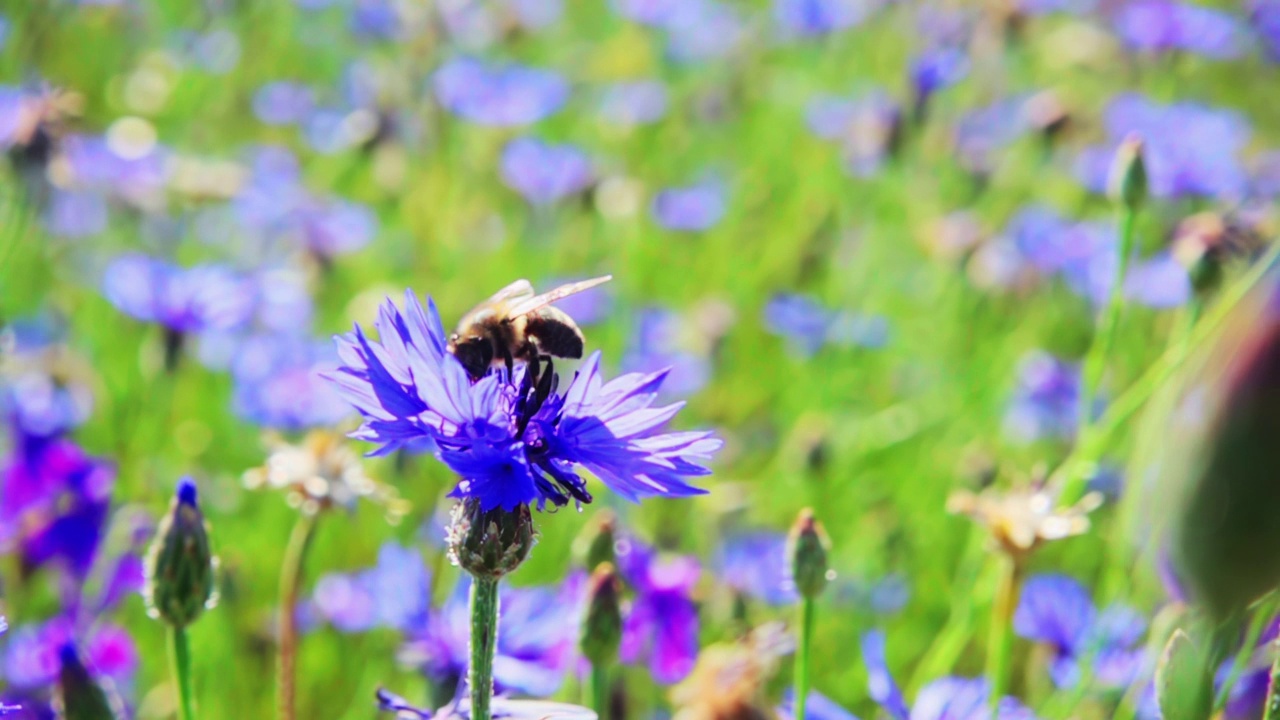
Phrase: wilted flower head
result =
(499, 95)
(1167, 25)
(1020, 521)
(511, 441)
(691, 208)
(320, 473)
(545, 173)
(662, 625)
(180, 299)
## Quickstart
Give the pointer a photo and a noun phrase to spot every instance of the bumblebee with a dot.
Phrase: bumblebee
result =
(517, 324)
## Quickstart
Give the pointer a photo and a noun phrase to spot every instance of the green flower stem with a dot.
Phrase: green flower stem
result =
(295, 555)
(484, 640)
(600, 690)
(1095, 362)
(1262, 614)
(1073, 473)
(180, 663)
(1000, 645)
(807, 613)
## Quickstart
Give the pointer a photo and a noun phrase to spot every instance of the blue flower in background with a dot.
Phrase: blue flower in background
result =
(692, 208)
(4, 31)
(755, 564)
(279, 382)
(32, 659)
(949, 698)
(1046, 401)
(662, 625)
(657, 342)
(392, 594)
(283, 103)
(509, 442)
(180, 299)
(1057, 610)
(1189, 149)
(867, 127)
(545, 173)
(375, 20)
(1264, 15)
(936, 70)
(808, 325)
(75, 213)
(499, 95)
(44, 388)
(816, 707)
(819, 17)
(1165, 25)
(699, 30)
(638, 102)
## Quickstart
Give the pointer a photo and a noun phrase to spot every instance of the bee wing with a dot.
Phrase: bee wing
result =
(515, 291)
(524, 307)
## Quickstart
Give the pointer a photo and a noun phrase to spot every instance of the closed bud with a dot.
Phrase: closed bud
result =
(180, 564)
(602, 627)
(1127, 183)
(596, 545)
(807, 555)
(492, 543)
(79, 696)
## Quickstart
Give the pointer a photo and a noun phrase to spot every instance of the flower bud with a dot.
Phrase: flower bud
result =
(79, 696)
(1127, 182)
(180, 565)
(595, 546)
(807, 555)
(489, 543)
(602, 627)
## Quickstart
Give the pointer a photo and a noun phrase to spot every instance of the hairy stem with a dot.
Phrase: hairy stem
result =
(807, 614)
(180, 662)
(290, 584)
(484, 641)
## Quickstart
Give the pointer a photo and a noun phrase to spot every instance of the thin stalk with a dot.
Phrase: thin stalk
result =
(807, 613)
(600, 690)
(1273, 691)
(1095, 362)
(295, 555)
(1000, 644)
(1262, 615)
(180, 664)
(484, 641)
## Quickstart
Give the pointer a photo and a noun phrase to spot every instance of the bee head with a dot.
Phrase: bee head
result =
(475, 353)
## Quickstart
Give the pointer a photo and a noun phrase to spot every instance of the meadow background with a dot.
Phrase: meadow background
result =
(920, 359)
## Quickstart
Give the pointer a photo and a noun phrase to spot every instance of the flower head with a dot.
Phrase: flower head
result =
(1166, 25)
(180, 299)
(44, 386)
(320, 473)
(499, 95)
(545, 173)
(691, 208)
(662, 625)
(1022, 520)
(819, 17)
(512, 441)
(639, 102)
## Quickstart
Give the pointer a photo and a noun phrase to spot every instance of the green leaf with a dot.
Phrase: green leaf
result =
(1183, 685)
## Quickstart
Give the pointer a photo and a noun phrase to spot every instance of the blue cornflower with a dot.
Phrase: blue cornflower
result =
(819, 17)
(936, 70)
(699, 30)
(283, 103)
(638, 102)
(755, 563)
(74, 213)
(1264, 15)
(949, 698)
(1046, 401)
(544, 173)
(662, 624)
(1057, 610)
(512, 442)
(660, 340)
(375, 20)
(1189, 149)
(1165, 25)
(808, 325)
(279, 382)
(691, 208)
(180, 299)
(867, 127)
(500, 95)
(45, 389)
(816, 707)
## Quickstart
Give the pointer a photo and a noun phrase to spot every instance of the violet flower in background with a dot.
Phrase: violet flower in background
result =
(819, 17)
(44, 388)
(392, 594)
(662, 625)
(1167, 25)
(1264, 16)
(1189, 149)
(948, 698)
(982, 133)
(808, 325)
(499, 95)
(375, 20)
(638, 102)
(1046, 400)
(657, 343)
(935, 70)
(692, 208)
(755, 564)
(867, 126)
(702, 30)
(283, 103)
(1057, 610)
(179, 299)
(509, 443)
(280, 384)
(816, 707)
(544, 173)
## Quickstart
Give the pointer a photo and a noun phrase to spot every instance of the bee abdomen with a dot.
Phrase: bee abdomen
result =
(556, 337)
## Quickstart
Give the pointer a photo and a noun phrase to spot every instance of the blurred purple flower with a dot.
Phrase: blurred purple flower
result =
(31, 658)
(936, 70)
(949, 698)
(1046, 401)
(1189, 149)
(662, 625)
(500, 95)
(699, 30)
(647, 12)
(982, 132)
(334, 227)
(1057, 610)
(755, 564)
(392, 594)
(816, 707)
(638, 102)
(867, 127)
(819, 17)
(808, 325)
(375, 20)
(1164, 25)
(180, 299)
(691, 208)
(283, 103)
(43, 392)
(75, 213)
(544, 173)
(656, 344)
(509, 443)
(1264, 15)
(279, 383)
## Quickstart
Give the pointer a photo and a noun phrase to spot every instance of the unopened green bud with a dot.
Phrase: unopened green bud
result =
(602, 627)
(180, 564)
(807, 554)
(79, 696)
(490, 543)
(1127, 183)
(596, 545)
